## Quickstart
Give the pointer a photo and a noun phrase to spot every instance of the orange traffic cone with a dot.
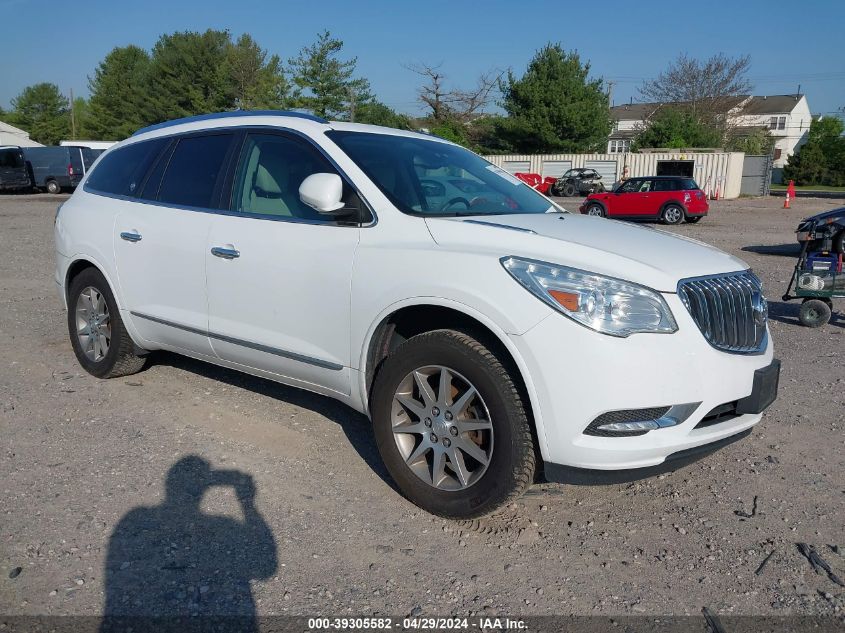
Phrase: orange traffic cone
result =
(790, 194)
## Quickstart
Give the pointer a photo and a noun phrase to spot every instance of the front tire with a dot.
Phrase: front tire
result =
(569, 190)
(97, 333)
(451, 425)
(672, 214)
(595, 209)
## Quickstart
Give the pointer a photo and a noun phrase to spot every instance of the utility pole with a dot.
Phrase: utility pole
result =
(72, 117)
(610, 93)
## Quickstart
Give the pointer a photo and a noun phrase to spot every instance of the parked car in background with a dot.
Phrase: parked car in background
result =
(60, 167)
(578, 181)
(668, 199)
(485, 338)
(829, 225)
(13, 172)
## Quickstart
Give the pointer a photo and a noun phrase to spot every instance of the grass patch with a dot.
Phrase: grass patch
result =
(809, 188)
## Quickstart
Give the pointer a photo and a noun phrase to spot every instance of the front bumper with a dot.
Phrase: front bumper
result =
(578, 374)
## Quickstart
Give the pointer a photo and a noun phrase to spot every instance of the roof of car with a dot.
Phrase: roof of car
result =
(301, 120)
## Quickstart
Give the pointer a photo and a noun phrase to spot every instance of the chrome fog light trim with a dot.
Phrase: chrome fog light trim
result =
(676, 415)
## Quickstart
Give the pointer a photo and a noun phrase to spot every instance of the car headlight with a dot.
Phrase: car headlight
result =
(604, 304)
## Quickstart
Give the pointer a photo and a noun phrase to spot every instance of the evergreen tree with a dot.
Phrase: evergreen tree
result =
(376, 113)
(119, 90)
(821, 160)
(555, 106)
(328, 85)
(188, 75)
(257, 81)
(42, 111)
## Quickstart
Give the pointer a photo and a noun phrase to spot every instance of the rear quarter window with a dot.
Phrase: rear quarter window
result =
(121, 171)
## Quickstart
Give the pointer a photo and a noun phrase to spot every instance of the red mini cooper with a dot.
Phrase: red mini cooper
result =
(669, 199)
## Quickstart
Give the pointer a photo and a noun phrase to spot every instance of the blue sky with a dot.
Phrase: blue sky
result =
(624, 41)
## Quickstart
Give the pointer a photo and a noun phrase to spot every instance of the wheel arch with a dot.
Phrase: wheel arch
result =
(401, 321)
(82, 262)
(598, 202)
(677, 203)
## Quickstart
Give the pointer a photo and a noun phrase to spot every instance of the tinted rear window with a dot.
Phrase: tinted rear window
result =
(193, 170)
(688, 184)
(122, 170)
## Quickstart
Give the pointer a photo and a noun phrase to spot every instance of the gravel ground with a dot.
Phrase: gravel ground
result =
(84, 462)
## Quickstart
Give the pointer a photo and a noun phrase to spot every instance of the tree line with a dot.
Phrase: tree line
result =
(189, 73)
(554, 106)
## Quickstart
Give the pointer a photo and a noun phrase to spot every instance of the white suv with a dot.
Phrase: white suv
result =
(485, 331)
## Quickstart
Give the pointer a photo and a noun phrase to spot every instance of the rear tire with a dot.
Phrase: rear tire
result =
(814, 313)
(97, 333)
(53, 187)
(501, 432)
(672, 214)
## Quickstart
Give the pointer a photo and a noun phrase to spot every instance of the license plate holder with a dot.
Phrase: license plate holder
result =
(764, 390)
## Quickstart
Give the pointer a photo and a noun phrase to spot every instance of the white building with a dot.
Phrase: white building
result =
(10, 135)
(786, 117)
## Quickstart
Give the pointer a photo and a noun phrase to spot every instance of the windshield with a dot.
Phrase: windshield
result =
(431, 178)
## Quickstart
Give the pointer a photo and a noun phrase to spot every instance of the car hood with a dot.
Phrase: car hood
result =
(825, 215)
(637, 253)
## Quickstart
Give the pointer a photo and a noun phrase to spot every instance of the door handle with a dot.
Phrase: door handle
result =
(225, 253)
(130, 236)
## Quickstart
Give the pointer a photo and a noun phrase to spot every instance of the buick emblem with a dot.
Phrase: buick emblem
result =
(760, 307)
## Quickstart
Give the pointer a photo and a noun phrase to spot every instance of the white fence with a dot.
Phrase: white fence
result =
(714, 171)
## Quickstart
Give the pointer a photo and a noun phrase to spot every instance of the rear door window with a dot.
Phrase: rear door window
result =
(121, 171)
(194, 171)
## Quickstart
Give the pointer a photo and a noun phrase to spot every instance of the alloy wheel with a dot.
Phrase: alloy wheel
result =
(442, 428)
(93, 325)
(673, 215)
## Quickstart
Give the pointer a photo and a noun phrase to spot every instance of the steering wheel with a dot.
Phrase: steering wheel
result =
(462, 201)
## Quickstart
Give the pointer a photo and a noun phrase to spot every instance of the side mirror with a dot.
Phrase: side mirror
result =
(322, 192)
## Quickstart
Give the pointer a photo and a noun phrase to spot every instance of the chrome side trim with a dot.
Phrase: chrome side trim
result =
(236, 341)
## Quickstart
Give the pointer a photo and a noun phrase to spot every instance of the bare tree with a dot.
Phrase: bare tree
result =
(709, 87)
(453, 102)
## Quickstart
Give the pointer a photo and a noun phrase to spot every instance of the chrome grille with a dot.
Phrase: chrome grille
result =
(730, 310)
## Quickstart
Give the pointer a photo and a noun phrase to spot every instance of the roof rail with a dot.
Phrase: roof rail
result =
(226, 115)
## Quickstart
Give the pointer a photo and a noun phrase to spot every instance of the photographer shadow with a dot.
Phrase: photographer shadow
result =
(172, 567)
